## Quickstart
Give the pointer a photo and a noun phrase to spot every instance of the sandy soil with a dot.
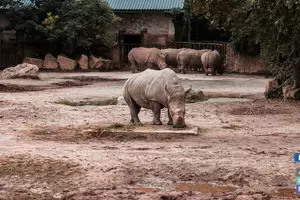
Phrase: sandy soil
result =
(49, 150)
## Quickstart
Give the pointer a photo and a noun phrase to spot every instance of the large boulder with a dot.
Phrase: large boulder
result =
(99, 63)
(23, 70)
(34, 61)
(83, 62)
(273, 89)
(66, 63)
(50, 62)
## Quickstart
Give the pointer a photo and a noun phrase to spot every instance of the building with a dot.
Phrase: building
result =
(146, 21)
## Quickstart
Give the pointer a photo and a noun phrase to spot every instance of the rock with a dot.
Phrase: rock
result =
(50, 62)
(99, 63)
(290, 93)
(23, 70)
(83, 62)
(121, 101)
(273, 89)
(92, 62)
(34, 61)
(66, 63)
(194, 96)
(106, 63)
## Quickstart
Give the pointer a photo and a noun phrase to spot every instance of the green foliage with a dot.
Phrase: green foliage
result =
(83, 23)
(75, 24)
(50, 22)
(182, 22)
(271, 27)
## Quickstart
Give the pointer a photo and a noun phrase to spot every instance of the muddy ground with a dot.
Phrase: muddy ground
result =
(58, 141)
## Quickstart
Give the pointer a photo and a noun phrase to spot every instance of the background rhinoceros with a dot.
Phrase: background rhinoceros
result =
(145, 57)
(170, 56)
(189, 58)
(212, 60)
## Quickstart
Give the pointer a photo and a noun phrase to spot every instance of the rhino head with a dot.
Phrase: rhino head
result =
(176, 106)
(161, 60)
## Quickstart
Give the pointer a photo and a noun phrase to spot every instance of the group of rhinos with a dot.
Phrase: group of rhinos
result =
(176, 58)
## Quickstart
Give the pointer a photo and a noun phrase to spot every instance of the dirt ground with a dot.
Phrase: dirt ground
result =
(56, 142)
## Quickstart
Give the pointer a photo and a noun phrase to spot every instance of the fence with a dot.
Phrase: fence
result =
(221, 47)
(11, 54)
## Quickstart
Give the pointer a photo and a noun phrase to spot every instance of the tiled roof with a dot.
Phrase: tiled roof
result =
(136, 5)
(23, 2)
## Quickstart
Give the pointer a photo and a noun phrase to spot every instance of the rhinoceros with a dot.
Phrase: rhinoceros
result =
(145, 56)
(156, 89)
(189, 58)
(212, 60)
(170, 56)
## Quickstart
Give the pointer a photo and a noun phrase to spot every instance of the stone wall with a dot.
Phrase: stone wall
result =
(239, 63)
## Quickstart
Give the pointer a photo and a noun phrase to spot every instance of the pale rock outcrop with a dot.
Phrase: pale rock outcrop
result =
(66, 63)
(23, 70)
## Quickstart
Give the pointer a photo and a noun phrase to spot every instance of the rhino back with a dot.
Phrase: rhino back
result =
(143, 55)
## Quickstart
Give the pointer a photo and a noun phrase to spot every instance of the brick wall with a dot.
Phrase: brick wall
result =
(160, 28)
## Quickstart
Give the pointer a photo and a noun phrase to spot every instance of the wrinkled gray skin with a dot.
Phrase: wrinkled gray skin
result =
(156, 89)
(144, 56)
(170, 56)
(212, 60)
(189, 58)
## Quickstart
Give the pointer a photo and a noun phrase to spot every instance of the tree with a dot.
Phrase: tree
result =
(272, 26)
(75, 24)
(27, 20)
(83, 23)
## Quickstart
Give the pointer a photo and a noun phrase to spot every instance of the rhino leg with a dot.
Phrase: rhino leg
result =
(134, 111)
(150, 66)
(170, 122)
(205, 69)
(156, 107)
(213, 71)
(133, 67)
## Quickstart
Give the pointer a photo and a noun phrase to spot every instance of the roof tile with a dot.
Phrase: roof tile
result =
(131, 5)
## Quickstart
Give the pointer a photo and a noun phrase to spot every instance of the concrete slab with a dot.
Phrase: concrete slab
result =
(190, 131)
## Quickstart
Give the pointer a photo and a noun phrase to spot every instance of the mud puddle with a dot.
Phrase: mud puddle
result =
(92, 79)
(204, 188)
(108, 102)
(226, 100)
(17, 88)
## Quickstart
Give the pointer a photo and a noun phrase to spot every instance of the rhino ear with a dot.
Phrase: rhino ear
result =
(166, 89)
(188, 90)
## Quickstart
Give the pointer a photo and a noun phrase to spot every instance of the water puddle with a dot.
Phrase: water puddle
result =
(287, 192)
(204, 188)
